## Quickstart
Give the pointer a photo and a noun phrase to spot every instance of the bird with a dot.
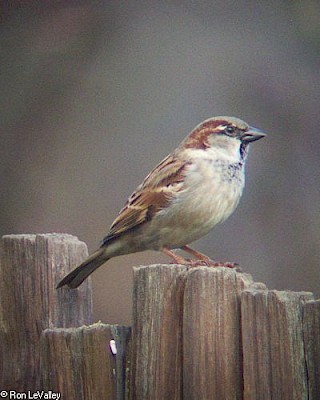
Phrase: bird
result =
(194, 188)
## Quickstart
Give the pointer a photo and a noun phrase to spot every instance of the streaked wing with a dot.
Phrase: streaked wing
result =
(154, 194)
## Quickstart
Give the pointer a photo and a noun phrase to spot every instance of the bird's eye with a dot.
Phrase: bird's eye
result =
(230, 129)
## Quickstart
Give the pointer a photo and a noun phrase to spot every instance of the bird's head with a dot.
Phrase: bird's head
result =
(224, 134)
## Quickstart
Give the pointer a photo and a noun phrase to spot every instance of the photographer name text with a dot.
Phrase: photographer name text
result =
(29, 395)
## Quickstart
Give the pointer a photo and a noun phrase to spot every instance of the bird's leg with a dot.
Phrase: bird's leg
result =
(201, 259)
(207, 260)
(176, 258)
(196, 254)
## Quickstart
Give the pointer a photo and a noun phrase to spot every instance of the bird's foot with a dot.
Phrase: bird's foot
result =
(214, 264)
(200, 261)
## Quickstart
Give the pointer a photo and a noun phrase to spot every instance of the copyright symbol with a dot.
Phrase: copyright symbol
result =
(3, 394)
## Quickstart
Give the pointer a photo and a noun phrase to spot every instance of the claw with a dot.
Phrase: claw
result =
(202, 259)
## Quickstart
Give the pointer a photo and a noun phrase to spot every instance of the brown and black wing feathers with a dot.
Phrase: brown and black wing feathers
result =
(151, 196)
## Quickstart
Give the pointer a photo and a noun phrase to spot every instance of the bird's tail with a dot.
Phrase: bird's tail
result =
(74, 278)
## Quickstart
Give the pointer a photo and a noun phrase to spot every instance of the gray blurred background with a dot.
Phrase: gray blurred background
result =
(95, 93)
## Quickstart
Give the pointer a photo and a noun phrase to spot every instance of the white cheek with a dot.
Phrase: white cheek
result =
(225, 148)
(222, 148)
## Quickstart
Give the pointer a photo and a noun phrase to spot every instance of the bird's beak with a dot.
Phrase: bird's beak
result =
(251, 135)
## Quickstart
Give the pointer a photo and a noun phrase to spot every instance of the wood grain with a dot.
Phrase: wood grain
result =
(311, 335)
(198, 333)
(29, 271)
(157, 332)
(212, 353)
(79, 364)
(273, 350)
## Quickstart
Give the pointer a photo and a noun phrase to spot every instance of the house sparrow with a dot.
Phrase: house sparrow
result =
(182, 199)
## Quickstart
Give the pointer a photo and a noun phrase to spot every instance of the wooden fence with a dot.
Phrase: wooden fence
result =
(197, 333)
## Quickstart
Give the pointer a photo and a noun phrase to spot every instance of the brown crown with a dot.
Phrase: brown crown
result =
(197, 139)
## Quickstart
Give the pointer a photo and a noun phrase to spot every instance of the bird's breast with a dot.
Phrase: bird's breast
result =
(213, 189)
(211, 192)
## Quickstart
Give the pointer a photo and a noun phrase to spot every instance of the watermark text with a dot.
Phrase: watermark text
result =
(30, 395)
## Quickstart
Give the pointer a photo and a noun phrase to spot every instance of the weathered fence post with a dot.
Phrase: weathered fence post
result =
(79, 364)
(157, 332)
(274, 365)
(311, 336)
(30, 268)
(212, 353)
(198, 333)
(122, 338)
